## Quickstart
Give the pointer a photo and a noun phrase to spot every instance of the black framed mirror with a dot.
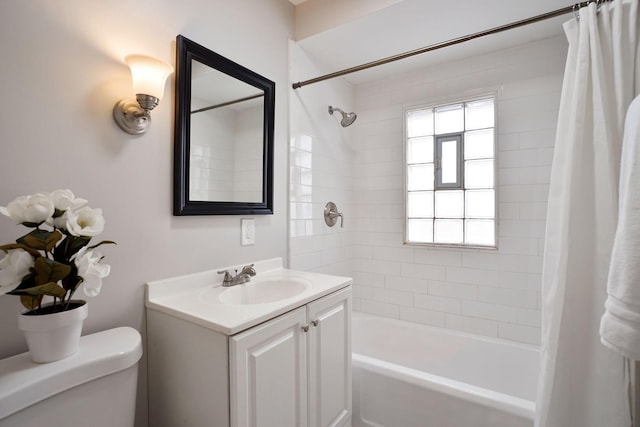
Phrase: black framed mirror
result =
(224, 124)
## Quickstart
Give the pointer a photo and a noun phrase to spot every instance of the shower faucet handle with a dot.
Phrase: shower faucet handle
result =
(331, 215)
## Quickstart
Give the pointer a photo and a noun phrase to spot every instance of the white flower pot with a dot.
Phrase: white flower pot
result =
(54, 336)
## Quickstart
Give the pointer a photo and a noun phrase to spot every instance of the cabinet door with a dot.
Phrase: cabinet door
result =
(268, 374)
(330, 360)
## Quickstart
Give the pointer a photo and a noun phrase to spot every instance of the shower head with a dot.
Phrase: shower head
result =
(347, 118)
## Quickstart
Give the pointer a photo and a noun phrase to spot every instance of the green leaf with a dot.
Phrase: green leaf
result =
(72, 281)
(31, 302)
(50, 271)
(32, 252)
(40, 239)
(28, 281)
(60, 252)
(104, 242)
(75, 243)
(32, 224)
(51, 289)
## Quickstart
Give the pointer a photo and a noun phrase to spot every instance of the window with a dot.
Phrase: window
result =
(450, 171)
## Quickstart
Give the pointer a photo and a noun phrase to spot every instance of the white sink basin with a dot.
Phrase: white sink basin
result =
(200, 297)
(263, 291)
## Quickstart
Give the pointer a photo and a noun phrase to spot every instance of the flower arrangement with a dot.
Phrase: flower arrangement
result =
(54, 258)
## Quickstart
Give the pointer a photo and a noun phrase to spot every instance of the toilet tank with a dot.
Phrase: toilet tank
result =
(94, 387)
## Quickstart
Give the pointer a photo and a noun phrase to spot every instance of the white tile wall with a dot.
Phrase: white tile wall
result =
(321, 170)
(487, 292)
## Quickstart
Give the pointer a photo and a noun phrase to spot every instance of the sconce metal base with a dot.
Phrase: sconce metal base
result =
(132, 116)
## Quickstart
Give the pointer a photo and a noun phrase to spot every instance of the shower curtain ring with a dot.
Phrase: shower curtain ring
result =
(576, 11)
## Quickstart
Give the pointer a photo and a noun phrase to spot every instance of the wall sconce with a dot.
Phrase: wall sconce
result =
(148, 76)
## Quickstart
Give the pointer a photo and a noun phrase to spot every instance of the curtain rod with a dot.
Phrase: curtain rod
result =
(495, 30)
(224, 104)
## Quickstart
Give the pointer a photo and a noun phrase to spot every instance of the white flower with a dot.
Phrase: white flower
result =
(13, 267)
(59, 222)
(65, 199)
(85, 222)
(31, 209)
(91, 271)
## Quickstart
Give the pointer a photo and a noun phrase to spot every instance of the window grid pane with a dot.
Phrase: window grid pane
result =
(420, 150)
(447, 216)
(420, 177)
(478, 173)
(478, 144)
(480, 232)
(448, 231)
(479, 114)
(449, 204)
(449, 119)
(480, 204)
(420, 230)
(420, 123)
(420, 204)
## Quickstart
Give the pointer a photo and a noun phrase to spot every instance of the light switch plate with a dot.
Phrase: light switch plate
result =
(248, 227)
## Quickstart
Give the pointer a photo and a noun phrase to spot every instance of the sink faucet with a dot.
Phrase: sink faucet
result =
(244, 276)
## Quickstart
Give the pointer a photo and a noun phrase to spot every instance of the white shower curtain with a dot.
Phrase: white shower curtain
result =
(582, 383)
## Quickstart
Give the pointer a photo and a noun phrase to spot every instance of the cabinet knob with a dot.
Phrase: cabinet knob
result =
(305, 328)
(315, 322)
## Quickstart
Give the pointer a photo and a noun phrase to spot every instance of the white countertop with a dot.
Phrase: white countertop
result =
(194, 297)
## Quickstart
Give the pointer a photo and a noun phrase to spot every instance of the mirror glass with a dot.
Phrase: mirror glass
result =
(224, 135)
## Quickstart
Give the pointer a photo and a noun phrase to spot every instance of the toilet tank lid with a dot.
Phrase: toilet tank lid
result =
(23, 383)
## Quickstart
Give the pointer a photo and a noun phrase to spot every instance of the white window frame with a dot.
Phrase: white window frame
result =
(438, 186)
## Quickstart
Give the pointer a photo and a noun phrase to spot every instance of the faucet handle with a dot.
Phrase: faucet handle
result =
(331, 215)
(248, 269)
(227, 276)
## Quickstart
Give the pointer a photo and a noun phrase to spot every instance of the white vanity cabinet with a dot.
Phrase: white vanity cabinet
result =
(289, 369)
(295, 370)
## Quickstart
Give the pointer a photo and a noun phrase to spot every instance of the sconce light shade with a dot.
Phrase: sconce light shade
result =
(149, 76)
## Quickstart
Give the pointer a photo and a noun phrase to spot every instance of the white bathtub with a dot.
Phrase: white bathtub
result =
(409, 375)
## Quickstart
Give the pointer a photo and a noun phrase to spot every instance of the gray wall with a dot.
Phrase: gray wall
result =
(62, 72)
